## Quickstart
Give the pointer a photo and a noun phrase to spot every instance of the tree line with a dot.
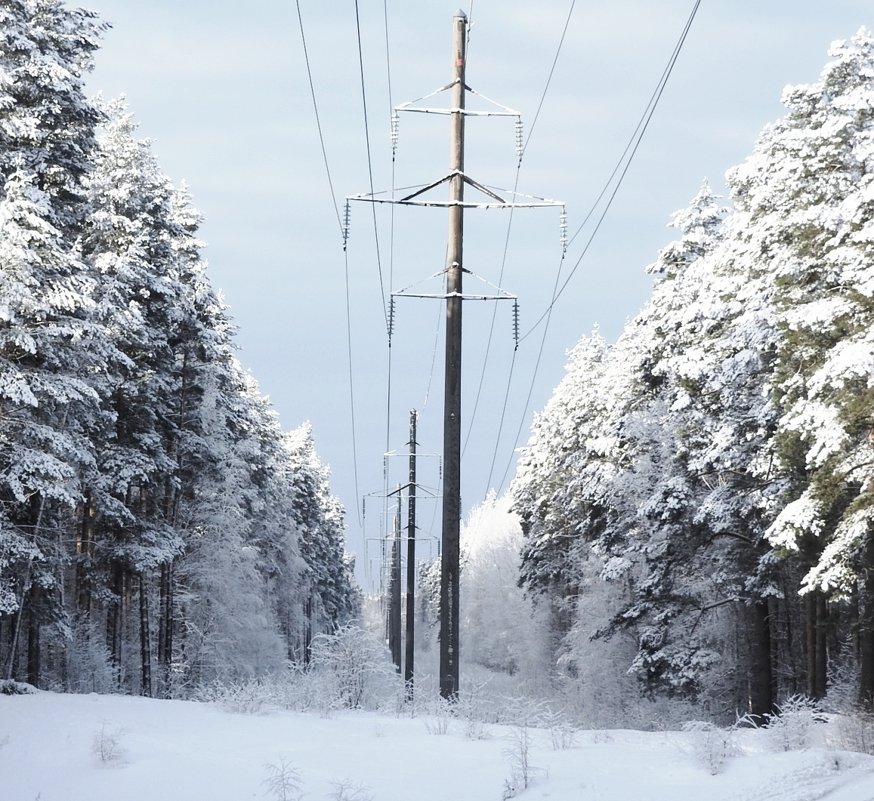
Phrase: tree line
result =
(158, 529)
(698, 498)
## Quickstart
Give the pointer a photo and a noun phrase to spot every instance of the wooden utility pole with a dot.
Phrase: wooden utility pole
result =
(411, 562)
(449, 569)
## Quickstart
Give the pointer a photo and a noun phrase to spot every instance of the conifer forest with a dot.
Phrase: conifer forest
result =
(158, 529)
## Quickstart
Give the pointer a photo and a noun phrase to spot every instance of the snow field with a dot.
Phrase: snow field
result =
(121, 748)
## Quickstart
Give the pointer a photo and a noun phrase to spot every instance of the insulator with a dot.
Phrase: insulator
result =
(395, 120)
(347, 215)
(520, 139)
(391, 318)
(516, 323)
(562, 229)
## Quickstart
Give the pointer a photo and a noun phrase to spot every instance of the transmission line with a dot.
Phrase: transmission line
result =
(370, 162)
(621, 168)
(343, 233)
(522, 147)
(622, 165)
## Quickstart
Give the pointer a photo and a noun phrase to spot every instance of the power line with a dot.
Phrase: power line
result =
(370, 162)
(567, 22)
(391, 249)
(622, 165)
(352, 388)
(621, 168)
(522, 148)
(343, 233)
(318, 119)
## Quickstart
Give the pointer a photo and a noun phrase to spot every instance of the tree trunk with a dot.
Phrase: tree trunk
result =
(84, 547)
(308, 628)
(165, 627)
(815, 635)
(866, 636)
(761, 678)
(145, 640)
(33, 635)
(114, 616)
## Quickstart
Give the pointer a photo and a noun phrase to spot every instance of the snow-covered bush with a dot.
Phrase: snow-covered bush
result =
(107, 746)
(791, 725)
(245, 697)
(354, 667)
(89, 663)
(10, 687)
(853, 733)
(709, 745)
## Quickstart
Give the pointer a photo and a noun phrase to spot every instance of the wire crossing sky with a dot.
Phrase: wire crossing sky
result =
(228, 100)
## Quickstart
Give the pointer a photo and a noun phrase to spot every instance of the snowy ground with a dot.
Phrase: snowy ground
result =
(115, 748)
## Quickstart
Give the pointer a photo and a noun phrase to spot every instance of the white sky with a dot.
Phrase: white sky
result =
(224, 94)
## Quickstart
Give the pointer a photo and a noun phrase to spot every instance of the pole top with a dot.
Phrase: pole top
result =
(460, 13)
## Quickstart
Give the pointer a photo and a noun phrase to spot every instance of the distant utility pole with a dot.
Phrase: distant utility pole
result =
(411, 562)
(450, 562)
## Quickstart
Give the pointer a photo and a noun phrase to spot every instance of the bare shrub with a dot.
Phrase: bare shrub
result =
(283, 782)
(107, 746)
(562, 734)
(438, 715)
(522, 771)
(347, 790)
(711, 747)
(854, 733)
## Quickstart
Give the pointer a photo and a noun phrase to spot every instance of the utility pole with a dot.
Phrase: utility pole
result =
(411, 562)
(449, 566)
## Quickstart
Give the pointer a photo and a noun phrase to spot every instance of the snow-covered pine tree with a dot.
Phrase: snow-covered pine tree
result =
(742, 439)
(811, 180)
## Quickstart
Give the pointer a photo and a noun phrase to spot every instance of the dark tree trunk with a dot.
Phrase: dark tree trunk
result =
(815, 639)
(761, 678)
(33, 635)
(84, 549)
(145, 640)
(114, 616)
(165, 627)
(308, 629)
(866, 636)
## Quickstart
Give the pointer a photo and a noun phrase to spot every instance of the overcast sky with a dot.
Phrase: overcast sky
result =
(223, 92)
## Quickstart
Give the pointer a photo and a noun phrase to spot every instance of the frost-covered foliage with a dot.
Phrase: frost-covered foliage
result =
(502, 633)
(713, 467)
(158, 529)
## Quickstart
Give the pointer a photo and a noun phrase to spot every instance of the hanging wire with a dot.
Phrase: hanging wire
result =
(622, 166)
(344, 232)
(351, 382)
(630, 151)
(567, 23)
(306, 57)
(391, 250)
(370, 162)
(482, 375)
(521, 145)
